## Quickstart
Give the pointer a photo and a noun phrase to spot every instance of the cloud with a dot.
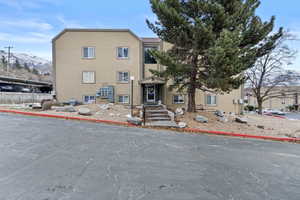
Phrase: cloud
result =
(23, 4)
(28, 38)
(32, 24)
(69, 23)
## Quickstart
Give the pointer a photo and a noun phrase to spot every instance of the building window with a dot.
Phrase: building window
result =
(178, 99)
(123, 98)
(123, 52)
(89, 99)
(104, 92)
(88, 77)
(149, 59)
(123, 77)
(211, 100)
(88, 52)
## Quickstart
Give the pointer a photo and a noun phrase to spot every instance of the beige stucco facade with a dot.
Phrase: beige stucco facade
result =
(280, 98)
(69, 66)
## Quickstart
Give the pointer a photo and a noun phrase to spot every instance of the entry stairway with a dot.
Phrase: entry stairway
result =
(155, 113)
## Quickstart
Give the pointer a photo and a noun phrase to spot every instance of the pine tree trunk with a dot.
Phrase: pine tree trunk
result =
(191, 99)
(192, 87)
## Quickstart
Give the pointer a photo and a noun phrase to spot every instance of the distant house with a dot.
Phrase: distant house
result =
(96, 65)
(280, 98)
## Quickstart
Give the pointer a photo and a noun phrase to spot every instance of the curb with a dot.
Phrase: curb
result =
(189, 130)
(67, 117)
(277, 116)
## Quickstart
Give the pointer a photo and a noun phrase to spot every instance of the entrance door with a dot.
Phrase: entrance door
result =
(150, 93)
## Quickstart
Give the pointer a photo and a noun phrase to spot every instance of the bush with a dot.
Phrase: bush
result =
(47, 105)
(249, 108)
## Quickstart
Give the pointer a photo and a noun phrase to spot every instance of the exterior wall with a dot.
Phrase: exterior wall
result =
(69, 63)
(224, 102)
(274, 103)
(147, 67)
(69, 66)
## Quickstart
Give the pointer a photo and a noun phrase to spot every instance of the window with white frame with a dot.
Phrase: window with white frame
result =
(211, 99)
(123, 52)
(123, 98)
(104, 92)
(88, 52)
(178, 99)
(89, 99)
(88, 77)
(123, 77)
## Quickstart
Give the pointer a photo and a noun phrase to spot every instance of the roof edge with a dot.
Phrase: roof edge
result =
(93, 30)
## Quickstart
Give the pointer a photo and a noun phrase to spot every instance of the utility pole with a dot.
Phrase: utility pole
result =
(8, 57)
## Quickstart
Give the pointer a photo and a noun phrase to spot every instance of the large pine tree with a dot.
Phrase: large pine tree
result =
(214, 41)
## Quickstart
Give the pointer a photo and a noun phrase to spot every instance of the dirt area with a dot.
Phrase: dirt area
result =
(269, 126)
(272, 126)
(114, 112)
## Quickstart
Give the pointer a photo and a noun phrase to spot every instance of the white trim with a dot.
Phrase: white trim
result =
(183, 99)
(93, 56)
(88, 77)
(123, 102)
(128, 51)
(211, 95)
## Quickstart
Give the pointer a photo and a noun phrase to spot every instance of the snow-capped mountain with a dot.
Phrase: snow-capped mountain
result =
(32, 61)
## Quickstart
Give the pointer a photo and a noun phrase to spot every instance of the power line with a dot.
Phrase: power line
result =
(8, 57)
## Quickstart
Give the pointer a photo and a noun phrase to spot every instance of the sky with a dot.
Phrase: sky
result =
(29, 25)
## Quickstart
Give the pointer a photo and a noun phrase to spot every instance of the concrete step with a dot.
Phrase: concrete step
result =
(158, 119)
(169, 124)
(157, 115)
(154, 108)
(156, 111)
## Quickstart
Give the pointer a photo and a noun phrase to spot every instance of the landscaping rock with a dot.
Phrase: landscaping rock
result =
(171, 115)
(36, 106)
(261, 127)
(241, 120)
(65, 109)
(104, 106)
(134, 120)
(182, 125)
(84, 111)
(201, 119)
(179, 111)
(223, 119)
(219, 113)
(73, 102)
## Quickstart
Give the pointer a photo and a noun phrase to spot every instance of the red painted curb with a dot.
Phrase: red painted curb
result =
(276, 116)
(191, 130)
(67, 117)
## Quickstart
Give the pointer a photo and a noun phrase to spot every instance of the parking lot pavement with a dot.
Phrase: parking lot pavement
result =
(47, 159)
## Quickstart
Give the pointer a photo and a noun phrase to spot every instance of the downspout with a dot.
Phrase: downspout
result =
(54, 67)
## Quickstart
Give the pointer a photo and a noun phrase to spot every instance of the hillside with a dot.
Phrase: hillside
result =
(26, 66)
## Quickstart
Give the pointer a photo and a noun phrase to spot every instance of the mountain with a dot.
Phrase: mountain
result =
(32, 61)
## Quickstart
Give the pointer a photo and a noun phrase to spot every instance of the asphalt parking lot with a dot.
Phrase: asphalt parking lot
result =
(52, 159)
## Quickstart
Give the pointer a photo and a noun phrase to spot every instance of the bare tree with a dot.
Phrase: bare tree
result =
(269, 71)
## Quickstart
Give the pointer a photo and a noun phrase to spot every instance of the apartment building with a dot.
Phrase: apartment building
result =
(280, 98)
(94, 65)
